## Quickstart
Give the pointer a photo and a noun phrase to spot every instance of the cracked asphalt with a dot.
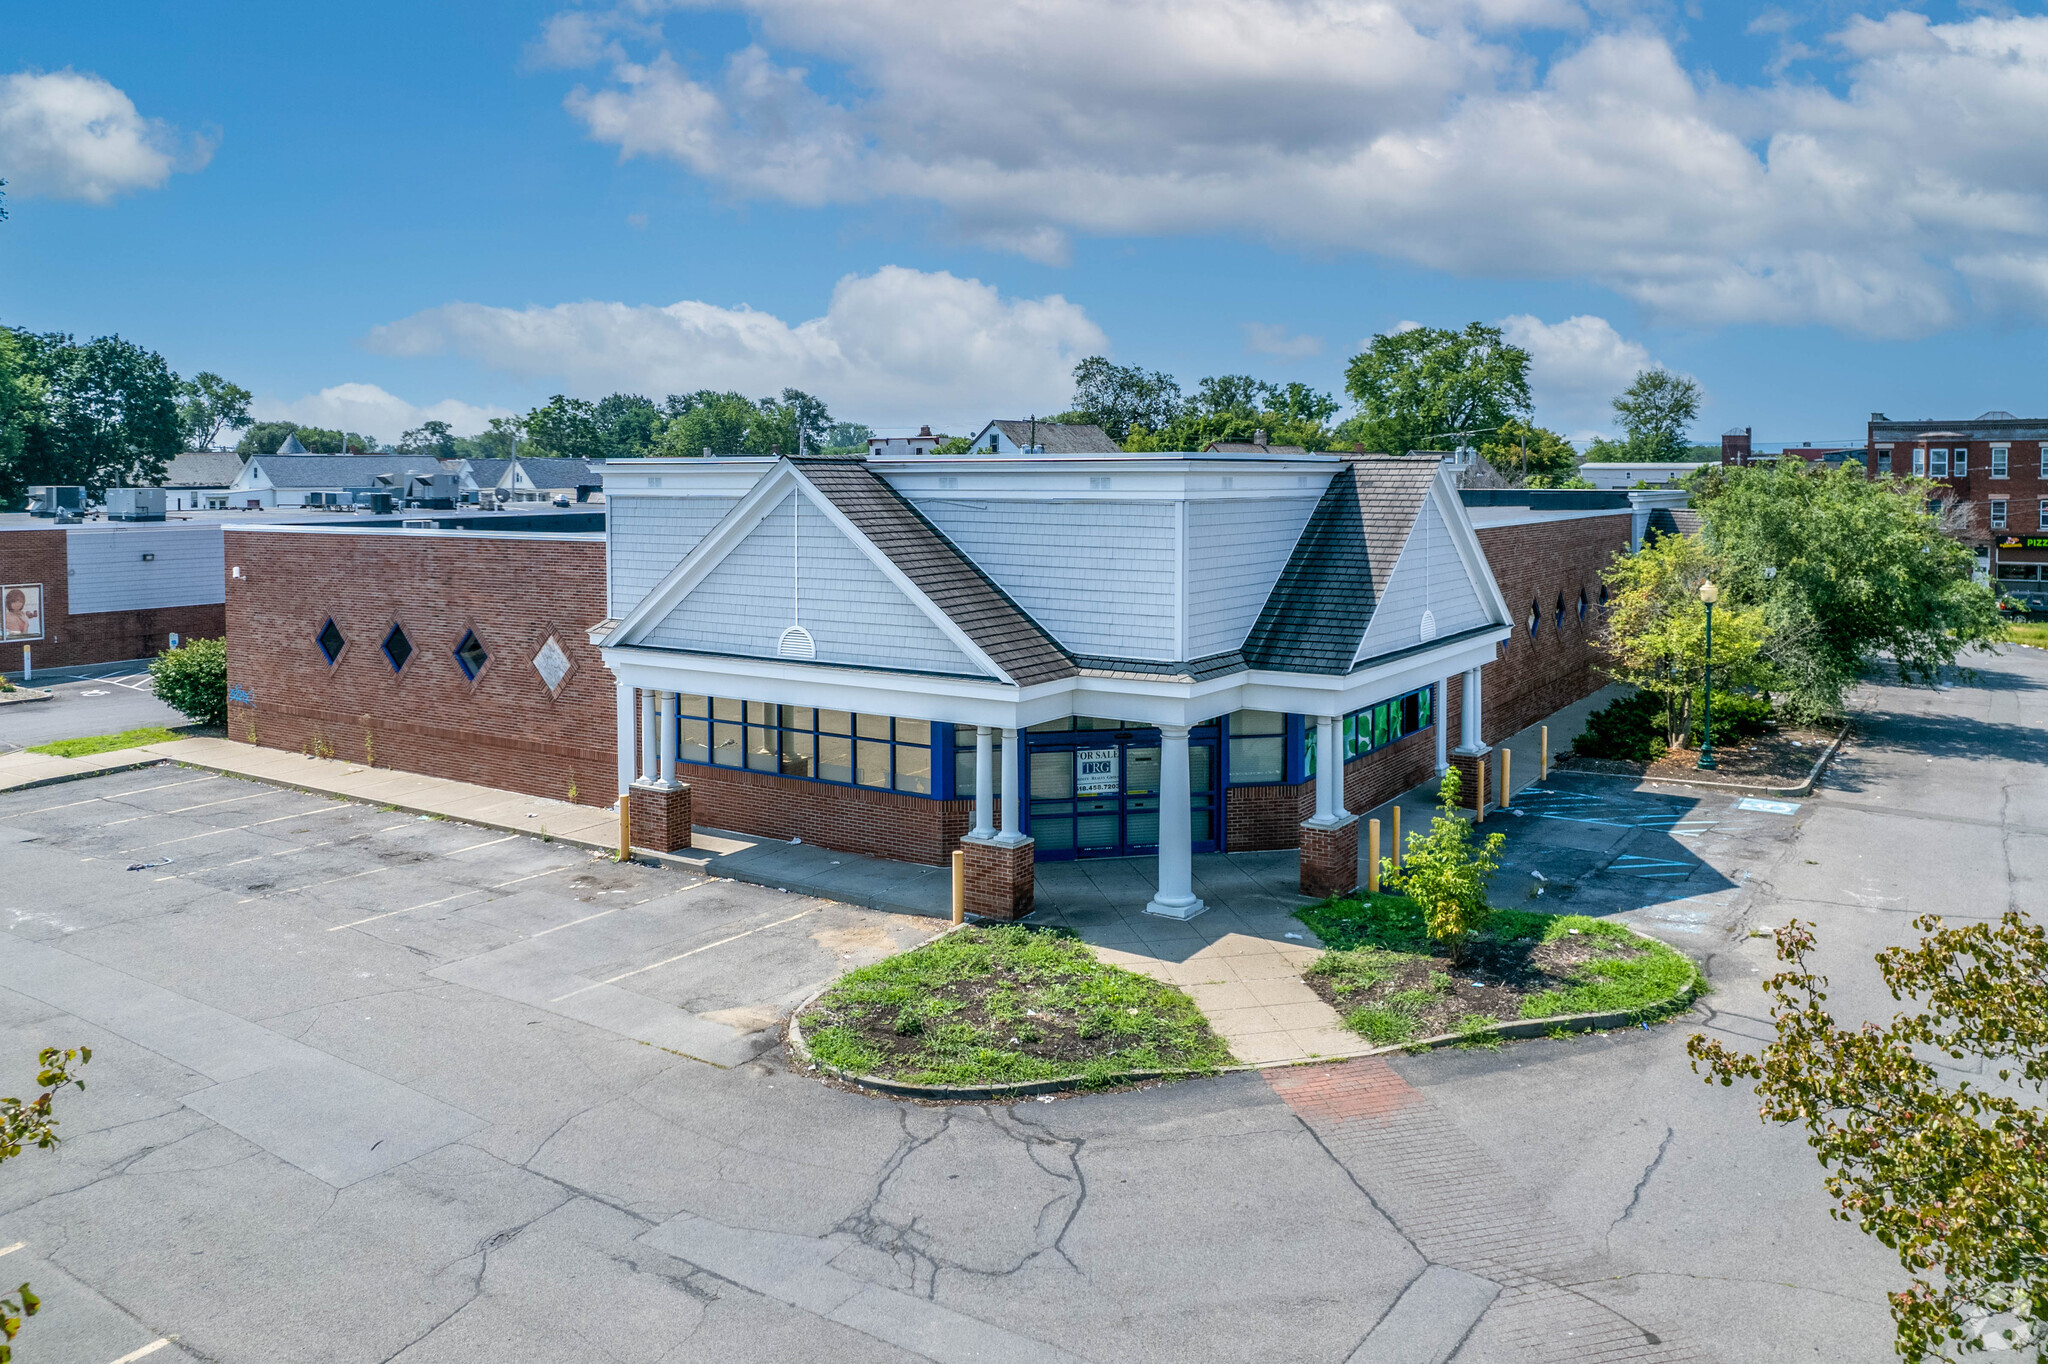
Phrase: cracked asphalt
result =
(372, 1088)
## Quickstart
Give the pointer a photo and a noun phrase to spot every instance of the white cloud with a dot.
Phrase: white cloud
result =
(893, 348)
(1415, 129)
(1273, 338)
(367, 409)
(64, 135)
(1575, 367)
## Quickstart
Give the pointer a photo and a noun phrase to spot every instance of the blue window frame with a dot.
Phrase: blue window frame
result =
(1258, 747)
(470, 655)
(1535, 617)
(397, 648)
(879, 752)
(330, 641)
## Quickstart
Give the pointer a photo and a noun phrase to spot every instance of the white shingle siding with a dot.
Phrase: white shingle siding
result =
(108, 572)
(855, 612)
(1235, 553)
(1099, 576)
(649, 536)
(1430, 560)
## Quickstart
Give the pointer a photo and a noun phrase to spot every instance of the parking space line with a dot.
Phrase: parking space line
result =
(161, 786)
(392, 914)
(313, 885)
(9, 1250)
(148, 1349)
(638, 970)
(237, 828)
(535, 877)
(208, 805)
(487, 843)
(616, 908)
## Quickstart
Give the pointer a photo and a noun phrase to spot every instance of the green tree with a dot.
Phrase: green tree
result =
(1445, 873)
(193, 679)
(500, 439)
(1655, 410)
(1236, 407)
(1849, 570)
(320, 440)
(848, 438)
(795, 421)
(263, 438)
(1654, 634)
(209, 405)
(1414, 387)
(21, 405)
(707, 420)
(628, 425)
(1533, 456)
(1118, 397)
(110, 414)
(31, 1124)
(435, 440)
(565, 428)
(1951, 1175)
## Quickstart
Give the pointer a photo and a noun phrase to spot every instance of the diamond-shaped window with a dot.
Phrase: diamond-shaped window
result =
(330, 641)
(397, 648)
(552, 664)
(470, 654)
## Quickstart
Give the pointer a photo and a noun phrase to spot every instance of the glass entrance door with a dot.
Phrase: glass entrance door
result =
(1094, 792)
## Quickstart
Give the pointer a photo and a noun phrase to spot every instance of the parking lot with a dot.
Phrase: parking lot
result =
(371, 1087)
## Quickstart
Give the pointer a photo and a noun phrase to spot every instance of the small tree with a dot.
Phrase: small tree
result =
(1655, 632)
(193, 678)
(30, 1124)
(1447, 875)
(1951, 1176)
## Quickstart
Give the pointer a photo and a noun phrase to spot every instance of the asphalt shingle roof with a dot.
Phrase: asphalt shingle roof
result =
(1673, 521)
(970, 600)
(341, 471)
(1319, 608)
(560, 473)
(201, 469)
(1060, 438)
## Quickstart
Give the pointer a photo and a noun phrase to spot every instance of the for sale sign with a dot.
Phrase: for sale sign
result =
(1095, 772)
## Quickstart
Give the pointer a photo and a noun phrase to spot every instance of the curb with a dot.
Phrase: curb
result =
(62, 777)
(22, 696)
(1517, 1029)
(1804, 788)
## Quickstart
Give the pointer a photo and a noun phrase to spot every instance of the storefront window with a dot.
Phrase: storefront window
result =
(1258, 747)
(1389, 721)
(798, 741)
(963, 760)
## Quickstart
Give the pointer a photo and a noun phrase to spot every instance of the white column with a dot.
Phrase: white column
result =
(1440, 708)
(984, 783)
(1176, 897)
(668, 738)
(1329, 773)
(1013, 791)
(648, 767)
(625, 737)
(1468, 722)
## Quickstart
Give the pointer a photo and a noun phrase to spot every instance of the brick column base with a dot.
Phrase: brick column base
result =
(660, 816)
(1469, 788)
(1329, 858)
(1000, 883)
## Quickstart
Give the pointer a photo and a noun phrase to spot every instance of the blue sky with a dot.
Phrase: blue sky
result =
(926, 212)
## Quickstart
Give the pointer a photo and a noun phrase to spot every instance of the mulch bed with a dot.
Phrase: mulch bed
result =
(1781, 759)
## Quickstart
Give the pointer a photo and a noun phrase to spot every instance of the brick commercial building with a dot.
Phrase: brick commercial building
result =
(75, 595)
(1996, 468)
(1156, 654)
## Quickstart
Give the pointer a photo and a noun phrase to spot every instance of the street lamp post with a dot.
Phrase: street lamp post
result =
(1709, 594)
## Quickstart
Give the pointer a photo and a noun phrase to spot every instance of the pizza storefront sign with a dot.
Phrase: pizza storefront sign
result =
(2023, 542)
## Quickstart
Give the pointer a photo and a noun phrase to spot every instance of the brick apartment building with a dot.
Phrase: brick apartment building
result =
(1996, 467)
(877, 655)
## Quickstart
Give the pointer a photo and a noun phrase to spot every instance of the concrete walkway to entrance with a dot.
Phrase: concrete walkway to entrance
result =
(1240, 960)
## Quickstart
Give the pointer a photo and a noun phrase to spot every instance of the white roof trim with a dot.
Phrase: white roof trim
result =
(782, 479)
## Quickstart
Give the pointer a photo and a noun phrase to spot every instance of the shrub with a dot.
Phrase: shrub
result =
(1448, 876)
(193, 679)
(1736, 716)
(1629, 730)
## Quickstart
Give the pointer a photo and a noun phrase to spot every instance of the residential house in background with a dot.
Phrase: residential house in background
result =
(285, 480)
(1037, 436)
(199, 480)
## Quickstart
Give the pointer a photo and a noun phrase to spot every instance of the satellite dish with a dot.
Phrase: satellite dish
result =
(796, 642)
(1428, 626)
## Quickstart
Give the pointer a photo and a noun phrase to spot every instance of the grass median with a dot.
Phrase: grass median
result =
(1391, 985)
(1007, 1005)
(107, 743)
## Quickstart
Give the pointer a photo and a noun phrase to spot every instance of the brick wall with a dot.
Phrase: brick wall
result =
(1531, 677)
(843, 818)
(503, 729)
(39, 556)
(1265, 817)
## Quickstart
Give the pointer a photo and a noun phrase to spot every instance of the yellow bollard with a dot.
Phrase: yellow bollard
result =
(625, 829)
(1372, 848)
(1479, 795)
(1397, 838)
(1507, 788)
(1543, 758)
(959, 886)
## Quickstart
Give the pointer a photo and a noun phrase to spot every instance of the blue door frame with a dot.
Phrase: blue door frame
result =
(1066, 823)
